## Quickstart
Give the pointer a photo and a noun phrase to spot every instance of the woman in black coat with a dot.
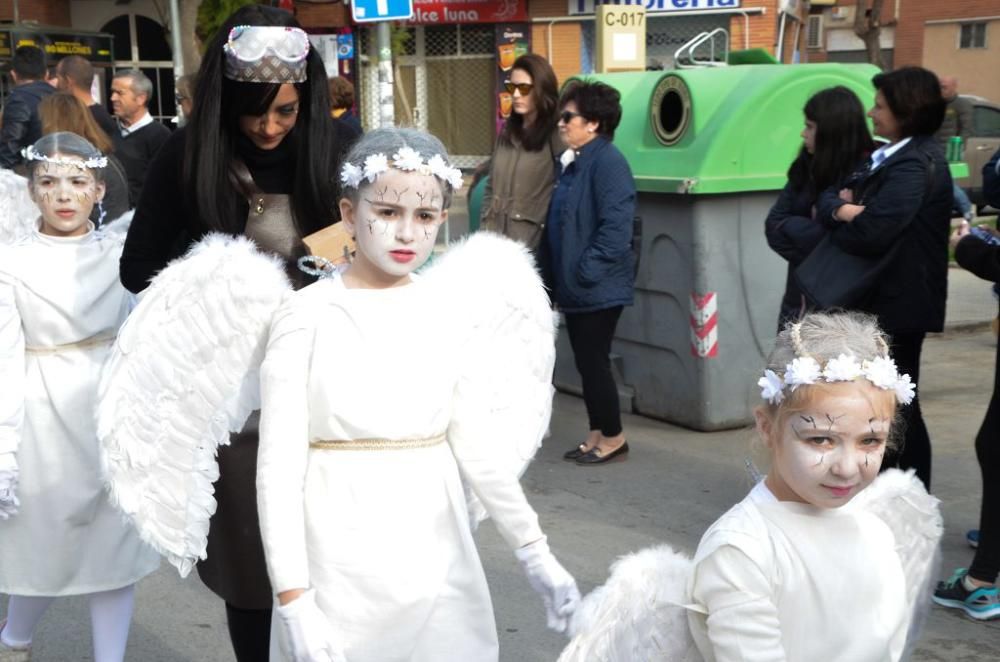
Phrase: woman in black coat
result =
(835, 142)
(257, 158)
(899, 211)
(975, 590)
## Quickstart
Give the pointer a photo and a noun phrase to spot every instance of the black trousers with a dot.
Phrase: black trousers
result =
(590, 335)
(250, 633)
(986, 564)
(916, 450)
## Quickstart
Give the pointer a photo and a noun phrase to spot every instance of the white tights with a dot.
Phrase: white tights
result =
(110, 617)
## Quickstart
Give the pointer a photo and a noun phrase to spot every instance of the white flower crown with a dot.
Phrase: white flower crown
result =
(880, 371)
(30, 154)
(406, 159)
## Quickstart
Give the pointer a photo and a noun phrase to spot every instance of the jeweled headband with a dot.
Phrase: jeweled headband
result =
(266, 54)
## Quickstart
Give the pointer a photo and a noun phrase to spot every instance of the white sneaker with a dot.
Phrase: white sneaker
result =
(12, 654)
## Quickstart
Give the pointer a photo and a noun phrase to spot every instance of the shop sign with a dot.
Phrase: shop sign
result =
(469, 11)
(586, 7)
(95, 48)
(512, 41)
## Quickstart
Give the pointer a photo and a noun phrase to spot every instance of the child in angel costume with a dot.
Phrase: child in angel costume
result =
(396, 411)
(824, 559)
(60, 307)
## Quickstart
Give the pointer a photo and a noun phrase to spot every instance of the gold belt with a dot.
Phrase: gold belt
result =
(377, 444)
(93, 341)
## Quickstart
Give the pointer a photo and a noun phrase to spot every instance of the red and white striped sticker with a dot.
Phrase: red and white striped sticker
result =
(704, 325)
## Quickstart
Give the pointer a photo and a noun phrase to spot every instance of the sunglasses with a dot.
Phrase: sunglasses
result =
(523, 88)
(567, 116)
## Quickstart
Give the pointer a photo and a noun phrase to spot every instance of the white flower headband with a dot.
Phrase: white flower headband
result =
(803, 370)
(406, 159)
(30, 154)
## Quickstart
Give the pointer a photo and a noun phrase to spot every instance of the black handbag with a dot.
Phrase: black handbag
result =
(832, 278)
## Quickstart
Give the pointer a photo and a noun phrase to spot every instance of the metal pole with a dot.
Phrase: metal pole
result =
(384, 45)
(175, 46)
(17, 13)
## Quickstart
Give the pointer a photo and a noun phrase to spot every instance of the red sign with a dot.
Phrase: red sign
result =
(469, 11)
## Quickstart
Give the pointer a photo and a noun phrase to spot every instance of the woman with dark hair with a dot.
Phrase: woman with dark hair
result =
(835, 142)
(899, 212)
(259, 157)
(64, 112)
(342, 102)
(523, 167)
(587, 255)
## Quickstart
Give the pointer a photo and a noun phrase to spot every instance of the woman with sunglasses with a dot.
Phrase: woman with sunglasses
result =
(587, 256)
(259, 157)
(522, 170)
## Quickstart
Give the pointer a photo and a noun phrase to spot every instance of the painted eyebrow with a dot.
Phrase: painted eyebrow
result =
(392, 205)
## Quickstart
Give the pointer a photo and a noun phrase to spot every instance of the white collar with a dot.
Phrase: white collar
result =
(880, 155)
(135, 126)
(567, 157)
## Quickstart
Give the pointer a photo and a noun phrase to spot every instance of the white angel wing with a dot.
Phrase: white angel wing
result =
(18, 213)
(900, 500)
(183, 374)
(117, 229)
(638, 615)
(507, 328)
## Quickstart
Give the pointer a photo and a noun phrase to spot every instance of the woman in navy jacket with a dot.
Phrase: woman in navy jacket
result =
(906, 208)
(835, 142)
(588, 254)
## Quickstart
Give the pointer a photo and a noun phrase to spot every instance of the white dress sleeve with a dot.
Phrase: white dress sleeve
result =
(11, 376)
(282, 457)
(742, 621)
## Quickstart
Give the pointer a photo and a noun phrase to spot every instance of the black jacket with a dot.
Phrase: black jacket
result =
(21, 126)
(991, 181)
(907, 202)
(793, 233)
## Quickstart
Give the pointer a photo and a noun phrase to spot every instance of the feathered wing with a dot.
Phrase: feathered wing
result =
(117, 229)
(506, 338)
(900, 500)
(638, 615)
(182, 375)
(18, 213)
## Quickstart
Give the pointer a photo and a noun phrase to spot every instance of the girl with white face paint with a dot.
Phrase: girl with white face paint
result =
(380, 402)
(61, 304)
(801, 569)
(823, 560)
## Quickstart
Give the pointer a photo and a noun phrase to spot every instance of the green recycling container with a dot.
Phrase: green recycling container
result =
(709, 149)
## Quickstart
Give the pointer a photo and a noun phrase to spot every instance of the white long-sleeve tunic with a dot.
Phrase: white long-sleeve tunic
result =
(790, 582)
(60, 305)
(382, 535)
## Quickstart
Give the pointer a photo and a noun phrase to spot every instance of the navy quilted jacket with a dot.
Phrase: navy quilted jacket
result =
(595, 268)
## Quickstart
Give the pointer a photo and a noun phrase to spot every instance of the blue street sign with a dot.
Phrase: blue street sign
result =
(369, 11)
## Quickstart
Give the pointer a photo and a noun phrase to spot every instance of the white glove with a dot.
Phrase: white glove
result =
(8, 486)
(550, 580)
(308, 634)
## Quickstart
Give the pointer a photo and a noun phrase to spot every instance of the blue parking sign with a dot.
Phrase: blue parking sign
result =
(368, 11)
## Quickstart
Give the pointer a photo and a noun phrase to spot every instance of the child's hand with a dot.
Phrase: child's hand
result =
(961, 231)
(847, 195)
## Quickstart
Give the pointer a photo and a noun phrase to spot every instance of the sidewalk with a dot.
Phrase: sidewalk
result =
(971, 303)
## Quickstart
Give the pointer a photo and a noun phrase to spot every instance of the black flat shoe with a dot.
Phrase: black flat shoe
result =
(575, 453)
(594, 455)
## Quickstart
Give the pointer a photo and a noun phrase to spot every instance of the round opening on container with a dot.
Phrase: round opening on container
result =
(670, 109)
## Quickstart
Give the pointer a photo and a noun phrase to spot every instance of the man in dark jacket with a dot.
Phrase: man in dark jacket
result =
(21, 126)
(139, 136)
(75, 75)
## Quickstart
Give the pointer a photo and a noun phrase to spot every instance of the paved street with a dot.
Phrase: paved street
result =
(675, 483)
